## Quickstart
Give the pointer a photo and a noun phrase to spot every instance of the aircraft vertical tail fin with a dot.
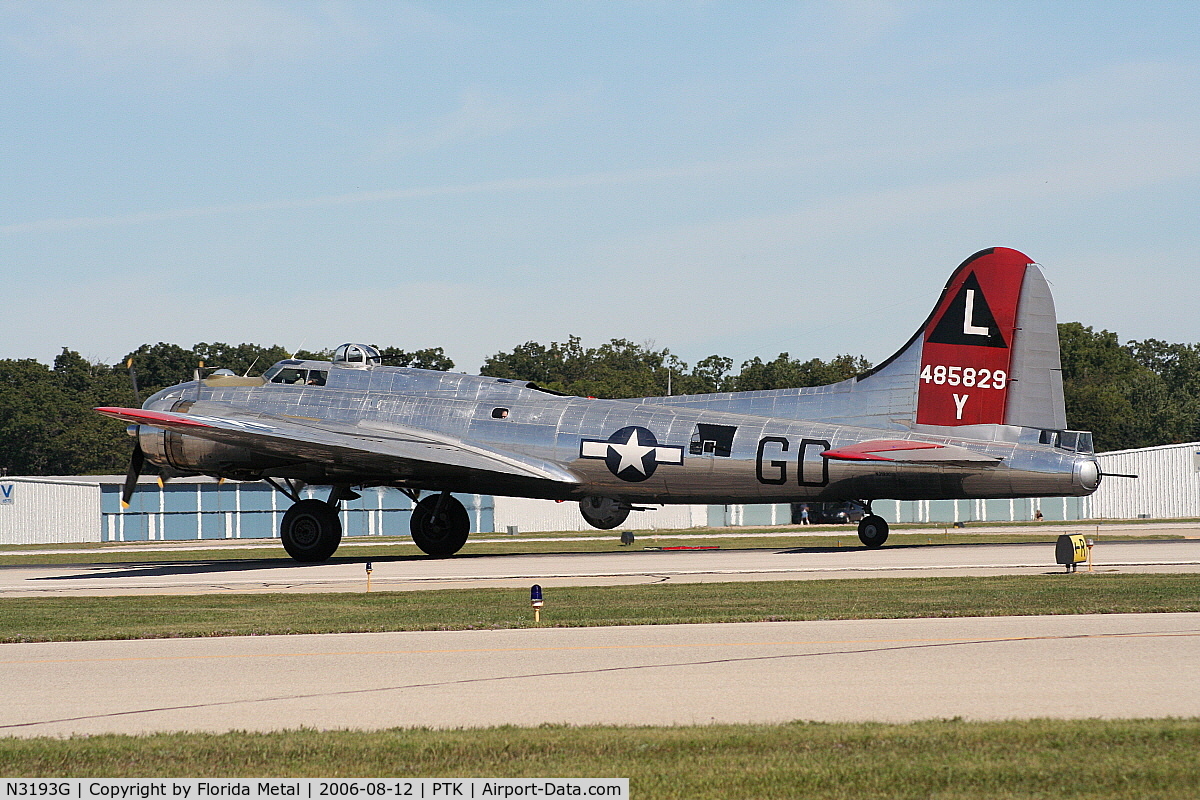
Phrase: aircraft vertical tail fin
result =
(986, 355)
(988, 352)
(1035, 396)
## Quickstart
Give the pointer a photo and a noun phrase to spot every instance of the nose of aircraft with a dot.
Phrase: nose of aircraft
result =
(1087, 473)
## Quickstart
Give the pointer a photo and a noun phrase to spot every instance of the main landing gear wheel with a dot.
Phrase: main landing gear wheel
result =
(440, 525)
(311, 530)
(873, 531)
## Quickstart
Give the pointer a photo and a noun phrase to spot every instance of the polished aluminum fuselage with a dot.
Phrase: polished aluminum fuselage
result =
(760, 459)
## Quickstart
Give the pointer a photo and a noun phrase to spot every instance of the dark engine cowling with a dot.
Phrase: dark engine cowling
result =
(603, 512)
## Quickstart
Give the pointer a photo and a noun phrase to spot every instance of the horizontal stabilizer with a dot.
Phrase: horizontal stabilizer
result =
(909, 451)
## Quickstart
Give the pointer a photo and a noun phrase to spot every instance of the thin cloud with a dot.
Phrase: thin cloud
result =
(480, 115)
(394, 195)
(197, 37)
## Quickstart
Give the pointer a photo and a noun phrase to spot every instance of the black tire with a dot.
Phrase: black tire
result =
(873, 531)
(440, 531)
(311, 531)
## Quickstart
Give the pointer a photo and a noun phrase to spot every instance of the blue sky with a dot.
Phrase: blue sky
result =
(733, 178)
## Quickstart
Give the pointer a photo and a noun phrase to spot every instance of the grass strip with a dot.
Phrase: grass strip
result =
(948, 759)
(158, 616)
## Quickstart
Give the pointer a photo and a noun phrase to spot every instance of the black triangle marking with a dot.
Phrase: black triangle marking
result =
(956, 327)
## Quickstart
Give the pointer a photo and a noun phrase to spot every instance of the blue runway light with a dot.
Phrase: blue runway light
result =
(535, 600)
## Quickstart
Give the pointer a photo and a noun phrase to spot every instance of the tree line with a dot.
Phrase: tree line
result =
(1136, 394)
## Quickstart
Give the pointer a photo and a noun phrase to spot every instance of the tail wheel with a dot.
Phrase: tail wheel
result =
(311, 530)
(873, 531)
(440, 525)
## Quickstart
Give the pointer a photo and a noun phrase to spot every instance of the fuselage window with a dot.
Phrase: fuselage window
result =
(357, 355)
(712, 440)
(289, 375)
(1075, 441)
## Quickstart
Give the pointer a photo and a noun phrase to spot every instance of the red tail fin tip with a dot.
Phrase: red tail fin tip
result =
(967, 342)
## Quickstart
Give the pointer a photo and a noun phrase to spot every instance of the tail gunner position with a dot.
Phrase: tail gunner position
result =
(970, 407)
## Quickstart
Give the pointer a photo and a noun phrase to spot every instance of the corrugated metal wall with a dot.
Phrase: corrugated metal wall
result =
(201, 508)
(529, 516)
(737, 515)
(34, 511)
(1168, 483)
(1018, 510)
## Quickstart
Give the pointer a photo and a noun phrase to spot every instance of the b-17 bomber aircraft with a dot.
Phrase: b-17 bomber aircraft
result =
(970, 407)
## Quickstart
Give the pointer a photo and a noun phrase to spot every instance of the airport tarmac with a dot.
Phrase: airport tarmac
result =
(1112, 666)
(1136, 665)
(633, 566)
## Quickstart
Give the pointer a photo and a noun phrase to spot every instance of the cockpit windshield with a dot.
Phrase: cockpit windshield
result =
(296, 375)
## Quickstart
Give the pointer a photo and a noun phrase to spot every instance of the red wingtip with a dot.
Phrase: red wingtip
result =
(141, 416)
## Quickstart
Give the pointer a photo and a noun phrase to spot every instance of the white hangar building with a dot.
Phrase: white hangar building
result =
(1167, 486)
(51, 510)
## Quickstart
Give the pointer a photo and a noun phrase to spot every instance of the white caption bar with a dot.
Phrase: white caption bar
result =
(314, 788)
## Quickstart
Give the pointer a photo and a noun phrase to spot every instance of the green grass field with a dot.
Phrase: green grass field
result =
(949, 760)
(78, 618)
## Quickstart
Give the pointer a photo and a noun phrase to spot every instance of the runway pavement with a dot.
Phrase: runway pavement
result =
(1136, 665)
(633, 566)
(886, 670)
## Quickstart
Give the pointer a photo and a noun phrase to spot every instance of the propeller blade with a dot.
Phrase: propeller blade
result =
(133, 378)
(135, 469)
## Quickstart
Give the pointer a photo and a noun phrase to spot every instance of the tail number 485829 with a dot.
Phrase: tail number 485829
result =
(964, 376)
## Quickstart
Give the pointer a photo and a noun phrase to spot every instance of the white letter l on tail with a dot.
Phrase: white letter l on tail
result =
(969, 326)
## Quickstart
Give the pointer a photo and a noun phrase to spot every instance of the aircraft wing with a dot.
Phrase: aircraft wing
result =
(374, 448)
(910, 451)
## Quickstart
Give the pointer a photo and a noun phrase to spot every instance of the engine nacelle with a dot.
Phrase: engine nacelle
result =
(185, 454)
